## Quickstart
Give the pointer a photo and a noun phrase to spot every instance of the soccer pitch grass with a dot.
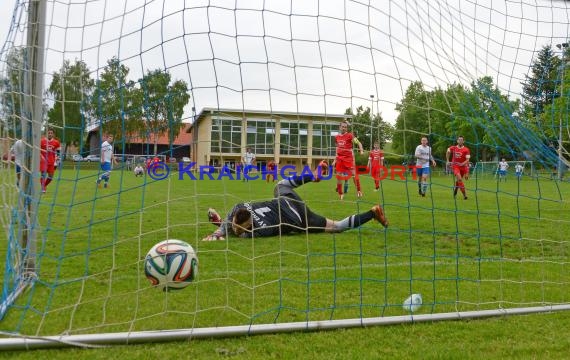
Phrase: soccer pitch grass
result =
(506, 246)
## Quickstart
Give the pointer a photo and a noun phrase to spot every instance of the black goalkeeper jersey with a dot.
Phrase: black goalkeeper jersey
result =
(270, 218)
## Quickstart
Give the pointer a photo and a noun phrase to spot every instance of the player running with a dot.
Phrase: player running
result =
(50, 148)
(458, 156)
(286, 213)
(424, 158)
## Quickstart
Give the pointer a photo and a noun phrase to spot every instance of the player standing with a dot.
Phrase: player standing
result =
(375, 162)
(344, 161)
(50, 148)
(424, 158)
(502, 168)
(248, 160)
(107, 161)
(19, 152)
(519, 170)
(458, 156)
(271, 166)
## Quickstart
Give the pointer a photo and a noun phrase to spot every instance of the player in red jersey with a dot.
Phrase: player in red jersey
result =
(50, 147)
(344, 161)
(375, 162)
(458, 156)
(271, 166)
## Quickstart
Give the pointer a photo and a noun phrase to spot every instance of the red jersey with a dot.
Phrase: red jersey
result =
(344, 147)
(271, 166)
(376, 157)
(458, 154)
(49, 148)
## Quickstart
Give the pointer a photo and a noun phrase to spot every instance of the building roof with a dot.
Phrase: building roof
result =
(184, 137)
(205, 111)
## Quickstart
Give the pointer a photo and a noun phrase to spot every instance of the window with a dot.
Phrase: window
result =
(226, 135)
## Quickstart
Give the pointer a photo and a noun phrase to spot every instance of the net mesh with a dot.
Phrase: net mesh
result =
(193, 84)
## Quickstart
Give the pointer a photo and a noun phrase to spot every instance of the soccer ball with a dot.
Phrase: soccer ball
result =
(413, 303)
(171, 265)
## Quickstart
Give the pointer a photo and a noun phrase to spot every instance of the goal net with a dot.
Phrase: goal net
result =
(197, 83)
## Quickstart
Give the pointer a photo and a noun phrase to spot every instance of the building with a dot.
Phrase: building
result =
(170, 145)
(220, 137)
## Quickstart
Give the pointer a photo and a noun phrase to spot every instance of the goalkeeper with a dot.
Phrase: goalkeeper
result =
(286, 213)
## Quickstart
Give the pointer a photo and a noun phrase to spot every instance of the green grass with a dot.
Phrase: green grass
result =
(504, 247)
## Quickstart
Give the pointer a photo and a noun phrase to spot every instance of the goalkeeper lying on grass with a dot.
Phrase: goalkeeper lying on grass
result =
(286, 213)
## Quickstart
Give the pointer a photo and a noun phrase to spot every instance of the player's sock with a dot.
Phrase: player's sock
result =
(48, 180)
(357, 182)
(345, 187)
(461, 187)
(424, 188)
(353, 221)
(376, 184)
(420, 187)
(339, 189)
(455, 188)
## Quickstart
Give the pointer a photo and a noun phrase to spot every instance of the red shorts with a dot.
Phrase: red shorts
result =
(50, 169)
(460, 170)
(344, 167)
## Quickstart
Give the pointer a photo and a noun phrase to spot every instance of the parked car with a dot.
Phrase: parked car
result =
(76, 157)
(90, 158)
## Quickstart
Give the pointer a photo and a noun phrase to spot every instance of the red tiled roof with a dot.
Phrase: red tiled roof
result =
(182, 139)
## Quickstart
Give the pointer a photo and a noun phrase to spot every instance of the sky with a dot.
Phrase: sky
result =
(304, 56)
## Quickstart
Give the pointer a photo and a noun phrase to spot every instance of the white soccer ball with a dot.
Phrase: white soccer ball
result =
(171, 264)
(413, 302)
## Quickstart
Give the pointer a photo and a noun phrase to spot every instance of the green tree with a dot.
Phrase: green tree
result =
(70, 89)
(555, 123)
(369, 128)
(12, 92)
(117, 103)
(490, 124)
(539, 88)
(413, 120)
(163, 104)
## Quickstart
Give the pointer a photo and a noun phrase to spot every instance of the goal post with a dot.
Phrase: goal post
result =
(23, 231)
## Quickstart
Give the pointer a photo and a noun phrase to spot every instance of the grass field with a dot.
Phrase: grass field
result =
(506, 246)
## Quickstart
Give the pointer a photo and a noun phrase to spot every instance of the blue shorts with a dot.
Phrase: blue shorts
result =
(502, 172)
(106, 166)
(18, 169)
(422, 171)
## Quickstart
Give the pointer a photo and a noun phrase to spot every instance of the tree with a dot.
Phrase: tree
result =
(413, 120)
(369, 130)
(12, 92)
(117, 103)
(555, 121)
(70, 89)
(539, 89)
(163, 104)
